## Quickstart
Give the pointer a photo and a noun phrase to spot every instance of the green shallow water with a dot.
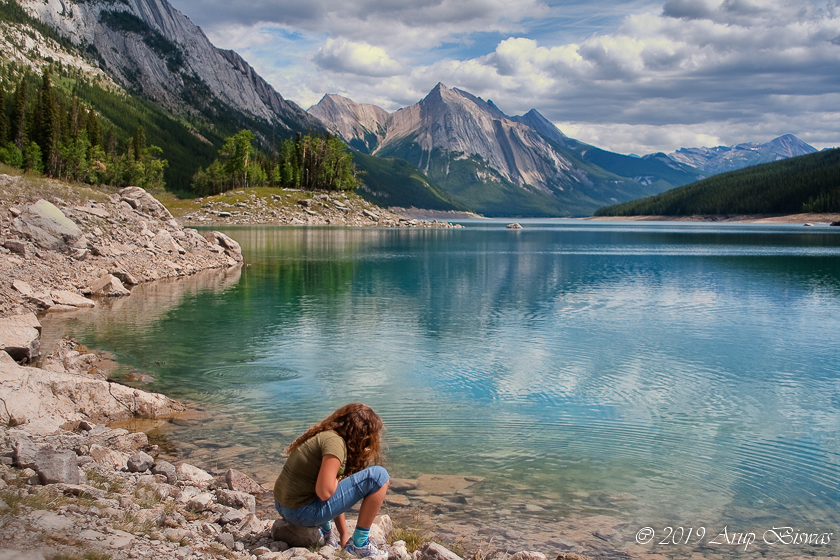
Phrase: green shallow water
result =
(656, 374)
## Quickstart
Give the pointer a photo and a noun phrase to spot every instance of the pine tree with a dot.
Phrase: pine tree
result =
(94, 130)
(138, 143)
(47, 128)
(18, 132)
(4, 121)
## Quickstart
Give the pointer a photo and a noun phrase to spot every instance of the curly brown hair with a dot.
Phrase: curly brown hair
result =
(360, 428)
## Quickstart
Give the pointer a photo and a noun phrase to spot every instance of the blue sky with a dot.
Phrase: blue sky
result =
(634, 77)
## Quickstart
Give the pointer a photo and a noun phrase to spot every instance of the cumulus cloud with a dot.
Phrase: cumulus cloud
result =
(665, 75)
(356, 58)
(394, 24)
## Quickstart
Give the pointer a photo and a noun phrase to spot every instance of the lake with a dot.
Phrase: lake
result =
(586, 374)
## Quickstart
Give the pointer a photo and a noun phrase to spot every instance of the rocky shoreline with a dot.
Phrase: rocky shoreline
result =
(60, 244)
(72, 488)
(291, 207)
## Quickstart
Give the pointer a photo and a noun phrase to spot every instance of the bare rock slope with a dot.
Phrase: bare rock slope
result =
(59, 245)
(151, 46)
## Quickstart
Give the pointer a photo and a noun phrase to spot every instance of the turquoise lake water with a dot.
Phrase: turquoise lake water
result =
(661, 374)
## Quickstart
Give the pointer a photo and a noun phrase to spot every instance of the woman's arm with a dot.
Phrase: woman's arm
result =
(327, 477)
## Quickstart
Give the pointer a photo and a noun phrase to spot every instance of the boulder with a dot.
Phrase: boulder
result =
(109, 285)
(109, 457)
(435, 551)
(140, 462)
(193, 475)
(53, 399)
(163, 240)
(47, 227)
(238, 500)
(20, 336)
(64, 297)
(295, 535)
(165, 491)
(381, 530)
(528, 555)
(226, 539)
(56, 467)
(230, 246)
(252, 525)
(24, 451)
(200, 502)
(240, 482)
(166, 469)
(23, 287)
(145, 203)
(18, 247)
(232, 516)
(126, 277)
(187, 494)
(399, 551)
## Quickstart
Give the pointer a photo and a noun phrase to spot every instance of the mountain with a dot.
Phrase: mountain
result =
(799, 184)
(729, 158)
(495, 164)
(149, 47)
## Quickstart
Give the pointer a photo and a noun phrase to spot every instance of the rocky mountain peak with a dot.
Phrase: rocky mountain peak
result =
(729, 158)
(149, 46)
(362, 126)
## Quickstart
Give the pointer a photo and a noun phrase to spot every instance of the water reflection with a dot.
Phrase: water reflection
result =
(659, 373)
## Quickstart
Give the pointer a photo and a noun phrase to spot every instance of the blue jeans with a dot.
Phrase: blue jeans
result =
(350, 490)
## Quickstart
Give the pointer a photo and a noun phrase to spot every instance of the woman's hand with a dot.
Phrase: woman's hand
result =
(327, 477)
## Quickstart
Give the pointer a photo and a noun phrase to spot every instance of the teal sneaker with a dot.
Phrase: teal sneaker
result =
(369, 550)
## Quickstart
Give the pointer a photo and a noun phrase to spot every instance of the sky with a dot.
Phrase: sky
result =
(639, 76)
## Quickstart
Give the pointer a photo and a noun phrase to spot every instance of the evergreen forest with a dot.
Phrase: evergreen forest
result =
(809, 183)
(49, 130)
(308, 162)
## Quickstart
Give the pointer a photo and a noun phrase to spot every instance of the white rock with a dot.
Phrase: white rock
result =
(109, 285)
(64, 297)
(20, 336)
(23, 287)
(56, 398)
(109, 457)
(193, 475)
(47, 226)
(528, 555)
(200, 502)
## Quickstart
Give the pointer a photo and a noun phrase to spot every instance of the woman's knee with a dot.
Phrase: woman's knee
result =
(379, 475)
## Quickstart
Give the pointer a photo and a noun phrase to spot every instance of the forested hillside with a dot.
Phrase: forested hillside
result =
(809, 183)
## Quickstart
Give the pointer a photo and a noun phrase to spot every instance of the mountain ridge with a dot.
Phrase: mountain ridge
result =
(491, 162)
(721, 159)
(150, 46)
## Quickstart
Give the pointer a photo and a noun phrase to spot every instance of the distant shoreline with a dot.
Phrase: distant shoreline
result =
(821, 219)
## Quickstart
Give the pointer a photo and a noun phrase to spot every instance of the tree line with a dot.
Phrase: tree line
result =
(309, 162)
(44, 129)
(809, 183)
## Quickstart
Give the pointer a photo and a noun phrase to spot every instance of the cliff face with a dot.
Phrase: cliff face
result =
(150, 46)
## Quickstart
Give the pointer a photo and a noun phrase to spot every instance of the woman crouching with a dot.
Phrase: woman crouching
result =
(308, 491)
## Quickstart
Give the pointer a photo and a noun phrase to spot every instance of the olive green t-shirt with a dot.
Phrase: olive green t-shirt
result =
(295, 487)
